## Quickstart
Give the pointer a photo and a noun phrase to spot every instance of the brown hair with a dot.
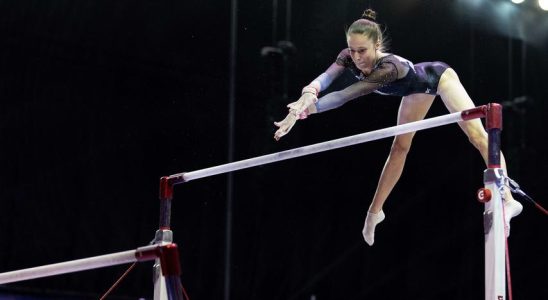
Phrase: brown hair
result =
(368, 26)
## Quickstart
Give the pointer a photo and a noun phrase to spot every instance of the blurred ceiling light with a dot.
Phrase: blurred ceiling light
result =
(518, 1)
(543, 4)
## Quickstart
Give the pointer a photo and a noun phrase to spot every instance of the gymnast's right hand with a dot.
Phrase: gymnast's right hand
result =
(285, 125)
(301, 106)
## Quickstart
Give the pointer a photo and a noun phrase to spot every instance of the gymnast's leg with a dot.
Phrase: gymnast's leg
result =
(456, 98)
(412, 108)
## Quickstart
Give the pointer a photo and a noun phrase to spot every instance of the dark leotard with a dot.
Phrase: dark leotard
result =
(391, 75)
(420, 78)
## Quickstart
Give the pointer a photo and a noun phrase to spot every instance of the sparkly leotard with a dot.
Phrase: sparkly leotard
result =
(391, 75)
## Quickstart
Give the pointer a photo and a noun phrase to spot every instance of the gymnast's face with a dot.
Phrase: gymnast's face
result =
(363, 51)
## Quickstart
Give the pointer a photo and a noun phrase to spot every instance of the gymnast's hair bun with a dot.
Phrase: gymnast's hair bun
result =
(370, 15)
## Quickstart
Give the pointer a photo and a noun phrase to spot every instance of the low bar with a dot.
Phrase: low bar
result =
(140, 254)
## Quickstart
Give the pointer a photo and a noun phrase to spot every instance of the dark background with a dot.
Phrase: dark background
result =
(99, 99)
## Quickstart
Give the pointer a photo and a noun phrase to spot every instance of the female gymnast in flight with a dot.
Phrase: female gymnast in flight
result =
(388, 74)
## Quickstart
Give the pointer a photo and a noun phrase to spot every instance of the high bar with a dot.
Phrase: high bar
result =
(474, 113)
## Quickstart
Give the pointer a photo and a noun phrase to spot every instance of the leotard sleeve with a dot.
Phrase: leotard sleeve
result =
(385, 72)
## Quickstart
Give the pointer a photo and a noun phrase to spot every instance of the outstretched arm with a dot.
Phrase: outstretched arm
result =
(310, 92)
(326, 78)
(309, 103)
(338, 98)
(305, 105)
(386, 73)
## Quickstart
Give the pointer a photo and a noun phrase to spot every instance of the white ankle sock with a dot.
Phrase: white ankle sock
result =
(512, 208)
(369, 227)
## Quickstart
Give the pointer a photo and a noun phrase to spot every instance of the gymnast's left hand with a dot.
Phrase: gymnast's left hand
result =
(285, 125)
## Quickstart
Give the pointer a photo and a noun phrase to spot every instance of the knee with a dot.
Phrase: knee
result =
(448, 78)
(449, 75)
(400, 147)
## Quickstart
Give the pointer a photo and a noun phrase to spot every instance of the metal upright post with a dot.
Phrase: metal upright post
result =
(171, 272)
(493, 217)
(164, 236)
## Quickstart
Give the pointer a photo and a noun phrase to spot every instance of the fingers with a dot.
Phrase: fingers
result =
(295, 105)
(292, 104)
(298, 107)
(284, 126)
(297, 110)
(280, 133)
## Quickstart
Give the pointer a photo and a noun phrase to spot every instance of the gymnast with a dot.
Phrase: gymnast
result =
(388, 74)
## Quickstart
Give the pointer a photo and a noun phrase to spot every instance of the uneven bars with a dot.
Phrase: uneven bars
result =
(474, 113)
(140, 254)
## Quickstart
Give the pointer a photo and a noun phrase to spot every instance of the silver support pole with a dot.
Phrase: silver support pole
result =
(495, 239)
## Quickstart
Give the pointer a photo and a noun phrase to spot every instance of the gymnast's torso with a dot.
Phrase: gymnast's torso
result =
(398, 76)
